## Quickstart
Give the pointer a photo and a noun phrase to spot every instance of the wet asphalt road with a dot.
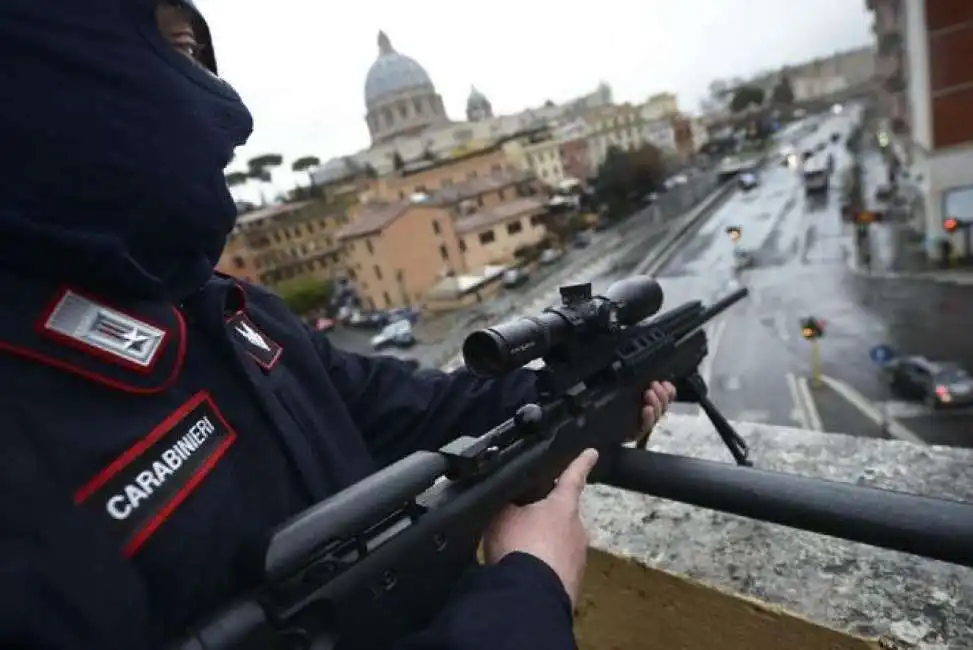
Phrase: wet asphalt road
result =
(759, 363)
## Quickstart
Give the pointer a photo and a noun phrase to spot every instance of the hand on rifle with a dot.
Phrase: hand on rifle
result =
(551, 529)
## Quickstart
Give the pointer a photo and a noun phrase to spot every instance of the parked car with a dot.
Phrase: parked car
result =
(369, 319)
(513, 278)
(410, 314)
(937, 384)
(324, 324)
(551, 255)
(581, 240)
(398, 334)
(747, 181)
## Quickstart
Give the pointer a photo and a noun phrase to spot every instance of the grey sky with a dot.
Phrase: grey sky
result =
(300, 65)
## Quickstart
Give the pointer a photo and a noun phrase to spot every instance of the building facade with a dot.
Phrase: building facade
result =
(398, 249)
(926, 47)
(281, 243)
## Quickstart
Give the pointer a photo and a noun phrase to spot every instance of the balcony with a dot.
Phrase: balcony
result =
(666, 575)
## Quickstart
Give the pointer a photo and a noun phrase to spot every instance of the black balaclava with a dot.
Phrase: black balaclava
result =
(112, 150)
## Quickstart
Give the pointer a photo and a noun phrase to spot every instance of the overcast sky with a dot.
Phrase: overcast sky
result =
(300, 64)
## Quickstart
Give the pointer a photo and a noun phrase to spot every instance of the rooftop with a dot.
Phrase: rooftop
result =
(904, 600)
(498, 214)
(480, 185)
(270, 211)
(374, 217)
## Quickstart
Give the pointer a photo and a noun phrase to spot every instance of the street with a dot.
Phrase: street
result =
(760, 367)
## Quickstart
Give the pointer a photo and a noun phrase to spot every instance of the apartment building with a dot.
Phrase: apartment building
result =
(397, 250)
(926, 92)
(279, 243)
(430, 174)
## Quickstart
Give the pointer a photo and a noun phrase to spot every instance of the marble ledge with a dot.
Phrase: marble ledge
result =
(908, 601)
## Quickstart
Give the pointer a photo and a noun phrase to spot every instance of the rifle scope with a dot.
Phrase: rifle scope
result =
(497, 350)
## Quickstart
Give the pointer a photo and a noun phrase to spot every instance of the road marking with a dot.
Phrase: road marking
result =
(810, 406)
(799, 411)
(781, 326)
(896, 429)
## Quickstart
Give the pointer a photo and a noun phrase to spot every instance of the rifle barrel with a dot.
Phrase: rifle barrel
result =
(940, 529)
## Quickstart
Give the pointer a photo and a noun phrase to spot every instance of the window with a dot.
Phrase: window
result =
(446, 182)
(462, 246)
(378, 272)
(487, 237)
(471, 174)
(368, 245)
(388, 300)
(400, 275)
(435, 227)
(403, 110)
(238, 262)
(496, 169)
(514, 227)
(536, 220)
(500, 192)
(309, 227)
(417, 106)
(443, 253)
(351, 275)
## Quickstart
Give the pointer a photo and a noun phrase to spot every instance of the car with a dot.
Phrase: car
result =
(410, 314)
(369, 319)
(581, 240)
(513, 278)
(835, 137)
(937, 384)
(747, 181)
(550, 255)
(398, 334)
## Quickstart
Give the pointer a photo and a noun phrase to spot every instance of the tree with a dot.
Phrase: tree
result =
(370, 171)
(746, 96)
(306, 164)
(305, 294)
(626, 176)
(260, 169)
(236, 179)
(783, 93)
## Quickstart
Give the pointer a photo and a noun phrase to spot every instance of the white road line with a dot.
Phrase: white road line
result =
(799, 410)
(810, 406)
(896, 429)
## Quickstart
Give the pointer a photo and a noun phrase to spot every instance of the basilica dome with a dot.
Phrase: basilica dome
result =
(400, 98)
(393, 73)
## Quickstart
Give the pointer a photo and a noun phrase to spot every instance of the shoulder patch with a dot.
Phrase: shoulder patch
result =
(104, 331)
(141, 489)
(264, 350)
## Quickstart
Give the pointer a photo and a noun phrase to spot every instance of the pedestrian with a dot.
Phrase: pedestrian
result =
(159, 420)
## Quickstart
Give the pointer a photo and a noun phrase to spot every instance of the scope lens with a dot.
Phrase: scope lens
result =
(485, 353)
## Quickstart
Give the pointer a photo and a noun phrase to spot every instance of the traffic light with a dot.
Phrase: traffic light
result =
(734, 232)
(812, 328)
(951, 225)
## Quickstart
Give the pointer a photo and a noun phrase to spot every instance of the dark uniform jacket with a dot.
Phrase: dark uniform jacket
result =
(157, 422)
(150, 448)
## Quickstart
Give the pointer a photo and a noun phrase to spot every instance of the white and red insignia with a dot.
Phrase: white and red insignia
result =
(105, 331)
